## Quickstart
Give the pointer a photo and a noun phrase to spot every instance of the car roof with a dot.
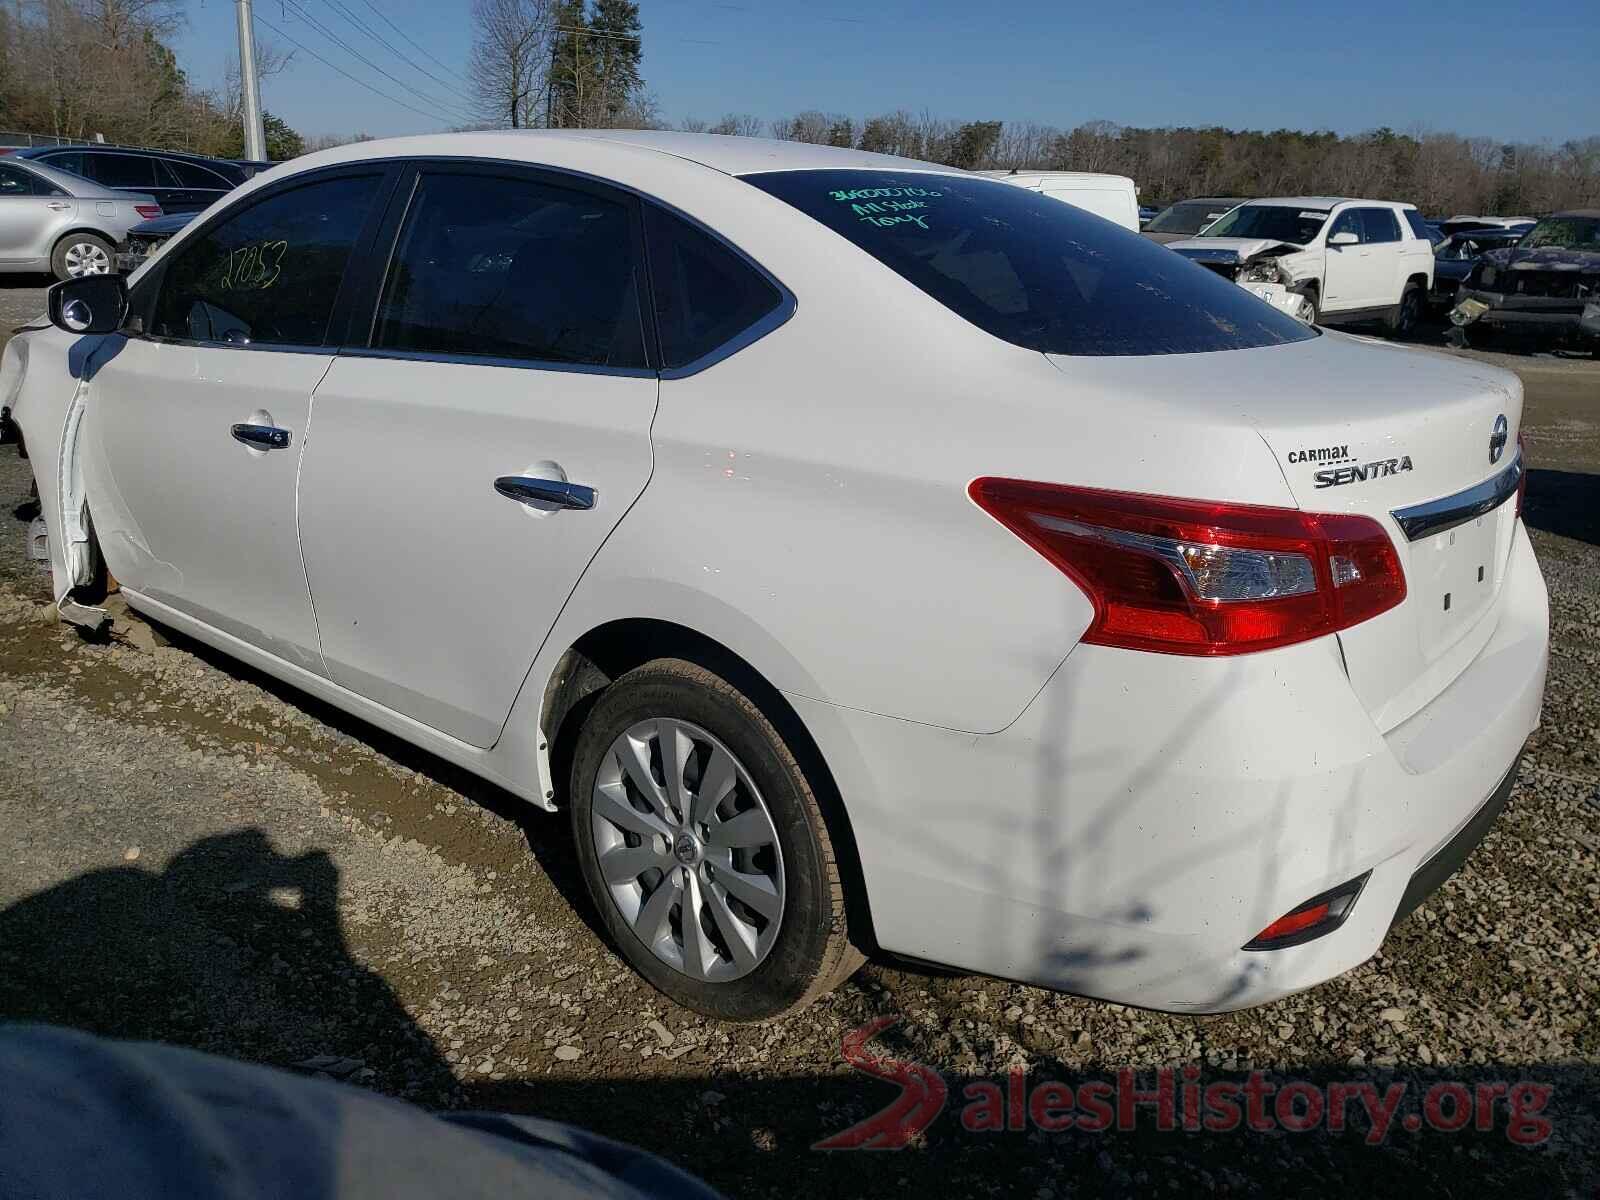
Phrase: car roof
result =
(96, 148)
(734, 155)
(725, 153)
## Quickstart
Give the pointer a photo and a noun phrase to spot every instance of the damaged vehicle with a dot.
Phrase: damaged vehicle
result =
(863, 555)
(1324, 259)
(145, 238)
(1547, 286)
(1456, 256)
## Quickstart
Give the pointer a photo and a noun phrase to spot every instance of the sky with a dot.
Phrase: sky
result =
(1468, 67)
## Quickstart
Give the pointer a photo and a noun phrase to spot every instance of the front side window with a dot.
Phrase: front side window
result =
(1349, 221)
(1278, 222)
(705, 294)
(1031, 270)
(270, 273)
(1380, 225)
(513, 268)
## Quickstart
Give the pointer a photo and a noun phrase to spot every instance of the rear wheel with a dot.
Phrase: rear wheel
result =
(80, 254)
(1407, 315)
(704, 848)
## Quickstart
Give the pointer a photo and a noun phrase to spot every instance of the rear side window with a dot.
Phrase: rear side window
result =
(70, 160)
(122, 170)
(513, 268)
(270, 273)
(705, 294)
(1380, 225)
(192, 175)
(1031, 270)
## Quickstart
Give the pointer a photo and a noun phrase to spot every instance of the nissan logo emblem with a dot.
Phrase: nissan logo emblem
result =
(1497, 439)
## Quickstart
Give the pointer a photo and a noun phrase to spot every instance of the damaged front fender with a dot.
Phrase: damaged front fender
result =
(45, 376)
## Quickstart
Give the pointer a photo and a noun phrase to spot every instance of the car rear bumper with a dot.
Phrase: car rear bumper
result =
(1148, 815)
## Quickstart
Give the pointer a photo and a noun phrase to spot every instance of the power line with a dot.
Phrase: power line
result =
(388, 45)
(433, 117)
(459, 111)
(414, 43)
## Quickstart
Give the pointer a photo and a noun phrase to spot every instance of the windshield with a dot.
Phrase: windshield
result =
(1572, 233)
(1038, 272)
(1189, 217)
(1277, 222)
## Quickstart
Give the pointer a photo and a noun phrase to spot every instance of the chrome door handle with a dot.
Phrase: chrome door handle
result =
(263, 437)
(547, 491)
(59, 205)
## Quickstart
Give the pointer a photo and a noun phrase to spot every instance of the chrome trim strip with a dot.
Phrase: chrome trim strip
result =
(1436, 516)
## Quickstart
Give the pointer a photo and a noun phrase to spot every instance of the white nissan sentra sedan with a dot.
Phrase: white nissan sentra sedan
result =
(872, 557)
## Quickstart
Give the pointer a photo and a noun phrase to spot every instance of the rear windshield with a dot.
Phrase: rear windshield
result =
(1189, 217)
(1035, 271)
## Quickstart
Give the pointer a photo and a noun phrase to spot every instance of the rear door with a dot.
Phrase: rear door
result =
(1382, 236)
(1351, 278)
(473, 449)
(198, 187)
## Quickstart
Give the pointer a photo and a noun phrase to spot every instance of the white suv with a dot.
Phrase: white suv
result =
(1325, 259)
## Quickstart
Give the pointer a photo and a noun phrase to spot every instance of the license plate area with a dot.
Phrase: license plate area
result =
(1454, 577)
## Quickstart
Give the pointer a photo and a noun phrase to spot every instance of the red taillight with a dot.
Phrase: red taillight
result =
(148, 211)
(1197, 577)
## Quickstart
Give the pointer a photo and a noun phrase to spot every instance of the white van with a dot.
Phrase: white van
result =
(1113, 197)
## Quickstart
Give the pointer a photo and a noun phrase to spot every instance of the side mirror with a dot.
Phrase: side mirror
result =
(1343, 238)
(93, 304)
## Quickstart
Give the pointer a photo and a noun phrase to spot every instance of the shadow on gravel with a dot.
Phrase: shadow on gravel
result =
(754, 1137)
(1565, 503)
(233, 948)
(546, 835)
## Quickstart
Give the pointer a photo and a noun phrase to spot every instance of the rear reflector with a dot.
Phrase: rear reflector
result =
(148, 211)
(1318, 916)
(1198, 577)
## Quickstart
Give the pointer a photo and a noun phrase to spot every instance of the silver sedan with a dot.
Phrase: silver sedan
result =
(55, 221)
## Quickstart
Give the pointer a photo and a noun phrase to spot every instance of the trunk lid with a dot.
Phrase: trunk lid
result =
(1359, 426)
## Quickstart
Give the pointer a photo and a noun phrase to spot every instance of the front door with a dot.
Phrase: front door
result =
(194, 432)
(467, 464)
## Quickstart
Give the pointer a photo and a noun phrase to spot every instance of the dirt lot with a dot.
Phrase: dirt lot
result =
(197, 855)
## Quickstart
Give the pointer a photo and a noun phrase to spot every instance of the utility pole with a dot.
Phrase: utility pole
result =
(255, 135)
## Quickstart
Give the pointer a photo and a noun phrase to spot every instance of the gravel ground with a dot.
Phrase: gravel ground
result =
(197, 855)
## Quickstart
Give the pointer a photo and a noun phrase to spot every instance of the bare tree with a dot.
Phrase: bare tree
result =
(509, 64)
(742, 124)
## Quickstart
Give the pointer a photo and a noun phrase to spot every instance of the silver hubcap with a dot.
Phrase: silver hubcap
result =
(85, 258)
(688, 850)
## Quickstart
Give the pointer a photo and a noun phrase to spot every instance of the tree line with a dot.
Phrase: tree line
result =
(78, 69)
(1439, 172)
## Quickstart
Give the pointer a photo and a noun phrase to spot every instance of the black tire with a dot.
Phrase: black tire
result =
(811, 953)
(1404, 318)
(59, 257)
